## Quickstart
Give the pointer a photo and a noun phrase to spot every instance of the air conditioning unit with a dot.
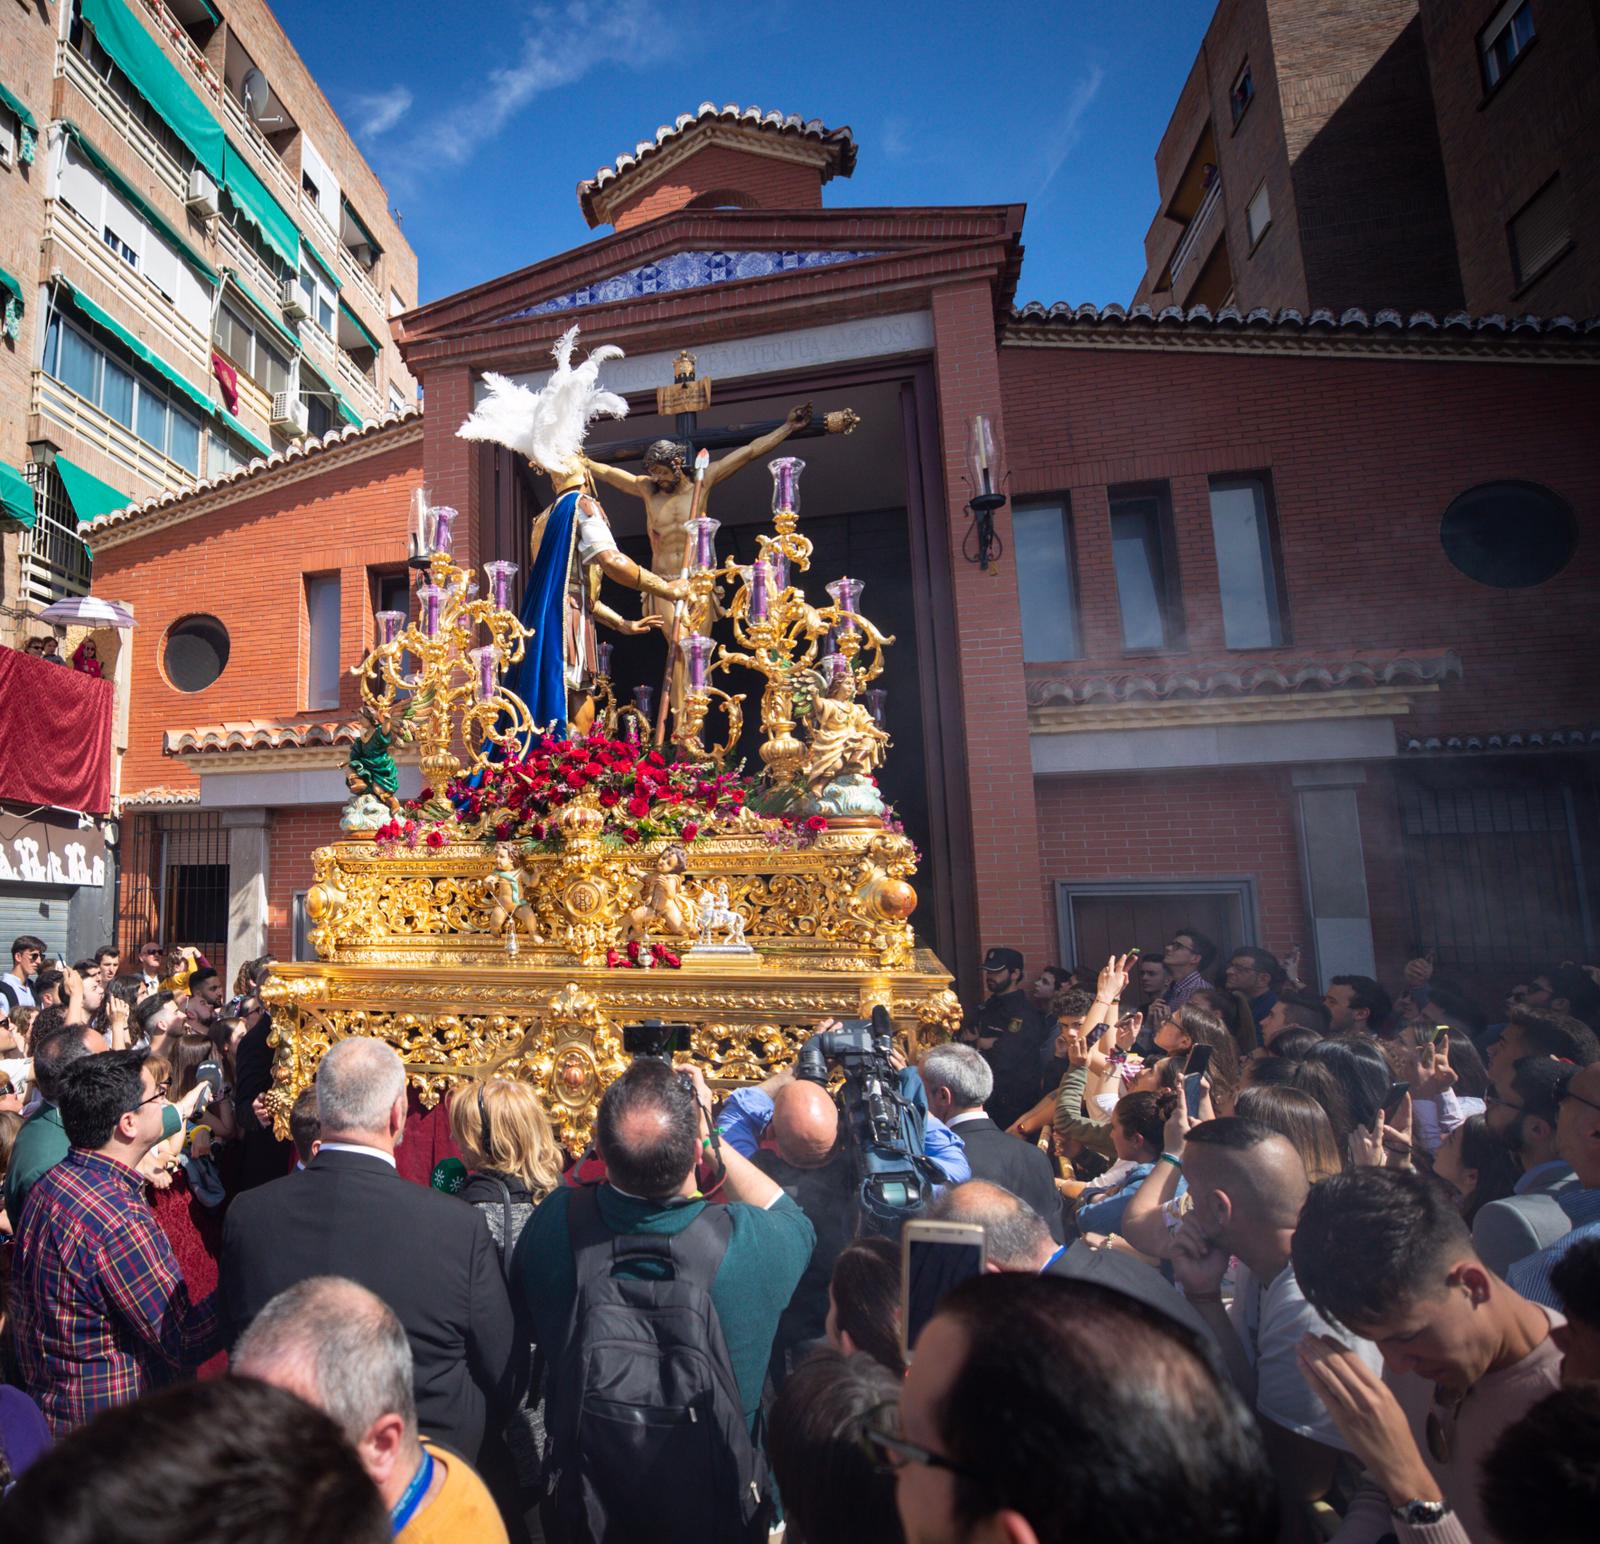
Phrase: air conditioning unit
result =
(202, 191)
(289, 413)
(292, 299)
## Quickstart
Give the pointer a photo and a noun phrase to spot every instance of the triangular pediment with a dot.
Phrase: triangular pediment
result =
(723, 258)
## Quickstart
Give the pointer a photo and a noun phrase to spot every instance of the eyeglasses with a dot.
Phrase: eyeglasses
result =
(1494, 1101)
(160, 1093)
(1566, 1091)
(890, 1452)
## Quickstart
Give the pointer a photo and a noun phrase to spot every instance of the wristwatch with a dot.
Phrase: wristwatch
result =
(1417, 1514)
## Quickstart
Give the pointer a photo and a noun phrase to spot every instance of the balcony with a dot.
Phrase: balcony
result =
(363, 391)
(1198, 239)
(319, 342)
(239, 255)
(266, 157)
(171, 31)
(75, 68)
(62, 406)
(358, 275)
(138, 296)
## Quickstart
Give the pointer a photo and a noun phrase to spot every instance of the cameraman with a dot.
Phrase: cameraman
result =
(789, 1128)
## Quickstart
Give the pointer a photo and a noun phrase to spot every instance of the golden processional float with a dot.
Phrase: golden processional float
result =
(539, 895)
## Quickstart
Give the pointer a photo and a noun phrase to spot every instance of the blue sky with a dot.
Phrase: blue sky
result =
(481, 129)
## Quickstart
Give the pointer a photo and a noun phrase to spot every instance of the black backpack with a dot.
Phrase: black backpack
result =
(647, 1434)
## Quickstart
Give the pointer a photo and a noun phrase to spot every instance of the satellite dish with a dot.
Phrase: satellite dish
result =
(256, 93)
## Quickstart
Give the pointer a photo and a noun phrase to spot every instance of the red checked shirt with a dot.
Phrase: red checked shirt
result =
(99, 1307)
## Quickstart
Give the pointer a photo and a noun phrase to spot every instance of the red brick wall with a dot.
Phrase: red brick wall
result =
(296, 834)
(245, 564)
(1224, 824)
(1499, 151)
(1365, 455)
(766, 182)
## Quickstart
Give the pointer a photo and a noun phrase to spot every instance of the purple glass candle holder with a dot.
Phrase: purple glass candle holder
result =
(500, 574)
(828, 647)
(697, 650)
(431, 597)
(485, 659)
(643, 699)
(602, 657)
(444, 517)
(389, 625)
(877, 700)
(846, 593)
(760, 590)
(778, 562)
(704, 530)
(786, 472)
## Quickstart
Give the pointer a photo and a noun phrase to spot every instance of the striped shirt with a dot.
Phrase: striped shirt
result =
(1180, 992)
(1531, 1276)
(101, 1313)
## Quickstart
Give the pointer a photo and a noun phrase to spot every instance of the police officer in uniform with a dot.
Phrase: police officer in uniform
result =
(1010, 1032)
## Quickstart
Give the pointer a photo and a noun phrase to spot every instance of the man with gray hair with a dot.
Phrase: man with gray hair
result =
(431, 1259)
(339, 1347)
(959, 1080)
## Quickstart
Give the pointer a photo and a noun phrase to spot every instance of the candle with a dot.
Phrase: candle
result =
(760, 590)
(500, 574)
(786, 472)
(778, 562)
(696, 653)
(419, 514)
(389, 625)
(846, 593)
(643, 696)
(431, 596)
(828, 647)
(443, 518)
(704, 529)
(876, 699)
(485, 659)
(602, 656)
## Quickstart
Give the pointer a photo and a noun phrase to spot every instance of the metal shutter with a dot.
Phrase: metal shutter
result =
(37, 909)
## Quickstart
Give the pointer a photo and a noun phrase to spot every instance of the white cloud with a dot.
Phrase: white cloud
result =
(379, 111)
(1067, 129)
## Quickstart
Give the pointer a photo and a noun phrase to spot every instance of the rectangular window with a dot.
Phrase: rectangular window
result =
(1046, 584)
(9, 125)
(235, 338)
(272, 369)
(1243, 93)
(1539, 232)
(221, 457)
(116, 393)
(80, 365)
(153, 419)
(183, 443)
(1247, 573)
(1258, 215)
(1146, 568)
(322, 655)
(120, 247)
(1502, 42)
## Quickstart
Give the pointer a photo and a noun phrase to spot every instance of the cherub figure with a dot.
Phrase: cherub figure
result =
(508, 912)
(663, 905)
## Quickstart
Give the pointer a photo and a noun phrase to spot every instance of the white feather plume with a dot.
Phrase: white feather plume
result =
(547, 426)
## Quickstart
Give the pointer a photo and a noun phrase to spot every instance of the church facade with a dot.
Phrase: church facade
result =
(1284, 635)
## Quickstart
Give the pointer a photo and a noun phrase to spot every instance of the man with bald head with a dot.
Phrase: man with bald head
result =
(1578, 1142)
(1247, 1185)
(431, 1259)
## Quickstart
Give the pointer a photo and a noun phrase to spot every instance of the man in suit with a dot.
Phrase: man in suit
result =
(959, 1081)
(1524, 1110)
(431, 1259)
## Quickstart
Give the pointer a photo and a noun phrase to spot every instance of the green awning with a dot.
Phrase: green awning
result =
(23, 115)
(90, 498)
(157, 80)
(212, 12)
(320, 261)
(138, 349)
(342, 402)
(16, 496)
(361, 327)
(9, 283)
(361, 225)
(127, 190)
(243, 433)
(268, 313)
(249, 194)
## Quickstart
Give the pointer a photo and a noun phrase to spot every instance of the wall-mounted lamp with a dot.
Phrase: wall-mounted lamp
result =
(981, 545)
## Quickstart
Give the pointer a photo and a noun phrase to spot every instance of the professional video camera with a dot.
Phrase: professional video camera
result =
(654, 1040)
(884, 1128)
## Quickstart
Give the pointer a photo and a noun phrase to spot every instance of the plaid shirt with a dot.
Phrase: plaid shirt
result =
(100, 1311)
(1180, 992)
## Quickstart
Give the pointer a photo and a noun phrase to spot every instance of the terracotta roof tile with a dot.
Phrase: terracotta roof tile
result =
(259, 734)
(1515, 741)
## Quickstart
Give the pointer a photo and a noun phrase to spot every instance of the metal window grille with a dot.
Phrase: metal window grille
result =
(174, 882)
(55, 561)
(1495, 873)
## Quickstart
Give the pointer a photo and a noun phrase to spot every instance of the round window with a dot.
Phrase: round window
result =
(196, 653)
(1509, 534)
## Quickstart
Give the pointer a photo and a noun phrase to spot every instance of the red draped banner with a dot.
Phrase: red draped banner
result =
(55, 735)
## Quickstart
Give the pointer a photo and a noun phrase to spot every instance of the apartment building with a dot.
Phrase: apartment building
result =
(197, 268)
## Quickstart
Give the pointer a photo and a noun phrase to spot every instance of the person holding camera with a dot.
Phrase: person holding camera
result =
(657, 1313)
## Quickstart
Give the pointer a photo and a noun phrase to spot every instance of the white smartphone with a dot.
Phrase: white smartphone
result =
(934, 1257)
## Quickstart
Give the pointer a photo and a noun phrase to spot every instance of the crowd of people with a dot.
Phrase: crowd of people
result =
(1258, 1264)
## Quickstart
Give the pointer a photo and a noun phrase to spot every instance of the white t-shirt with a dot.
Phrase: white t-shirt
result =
(1271, 1324)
